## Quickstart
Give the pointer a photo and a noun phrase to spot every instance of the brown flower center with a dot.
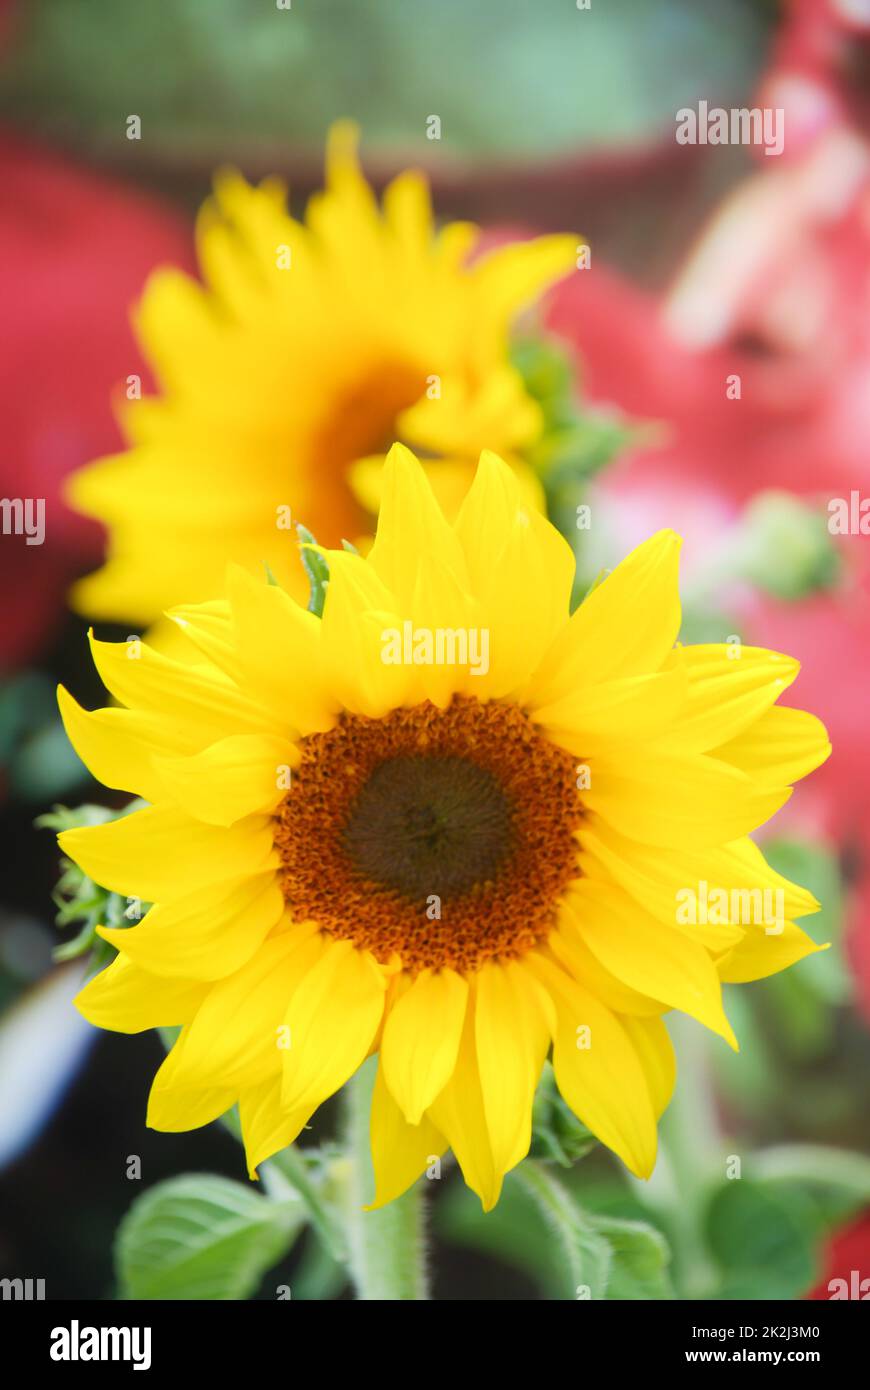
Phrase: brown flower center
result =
(443, 835)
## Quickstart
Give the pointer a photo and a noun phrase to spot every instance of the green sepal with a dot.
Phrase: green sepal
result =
(78, 898)
(557, 1135)
(316, 568)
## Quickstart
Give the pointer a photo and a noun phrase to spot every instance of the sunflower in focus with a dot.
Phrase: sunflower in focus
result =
(464, 866)
(283, 378)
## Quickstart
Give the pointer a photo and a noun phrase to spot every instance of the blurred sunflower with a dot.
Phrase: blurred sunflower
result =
(309, 349)
(454, 866)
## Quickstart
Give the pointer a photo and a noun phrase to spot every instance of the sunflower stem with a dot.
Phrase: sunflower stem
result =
(387, 1247)
(691, 1140)
(587, 1257)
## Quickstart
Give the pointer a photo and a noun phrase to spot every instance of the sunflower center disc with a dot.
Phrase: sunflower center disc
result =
(424, 821)
(446, 836)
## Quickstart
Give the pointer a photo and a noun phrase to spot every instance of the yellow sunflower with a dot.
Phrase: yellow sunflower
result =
(308, 350)
(367, 837)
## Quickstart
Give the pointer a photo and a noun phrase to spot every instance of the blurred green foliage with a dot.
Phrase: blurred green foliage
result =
(511, 78)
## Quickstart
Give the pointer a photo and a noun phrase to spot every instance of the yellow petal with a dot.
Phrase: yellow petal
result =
(728, 688)
(205, 935)
(444, 610)
(126, 999)
(421, 1040)
(238, 1037)
(459, 1115)
(760, 954)
(634, 708)
(661, 799)
(411, 531)
(204, 705)
(332, 1019)
(598, 1071)
(161, 853)
(266, 1126)
(649, 956)
(626, 626)
(279, 649)
(656, 881)
(512, 1040)
(656, 1054)
(779, 748)
(174, 1111)
(512, 276)
(400, 1151)
(572, 952)
(357, 615)
(235, 777)
(116, 745)
(209, 628)
(520, 571)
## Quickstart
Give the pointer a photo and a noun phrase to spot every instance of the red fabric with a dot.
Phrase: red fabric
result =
(846, 1251)
(75, 250)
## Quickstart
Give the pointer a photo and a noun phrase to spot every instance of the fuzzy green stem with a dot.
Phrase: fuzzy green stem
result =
(691, 1142)
(387, 1247)
(587, 1257)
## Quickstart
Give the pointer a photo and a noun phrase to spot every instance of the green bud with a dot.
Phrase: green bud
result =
(785, 548)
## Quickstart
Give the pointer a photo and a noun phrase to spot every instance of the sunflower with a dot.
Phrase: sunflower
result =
(355, 847)
(310, 348)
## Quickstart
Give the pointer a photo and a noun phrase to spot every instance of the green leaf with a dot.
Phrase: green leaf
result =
(763, 1238)
(202, 1237)
(315, 568)
(817, 1165)
(640, 1259)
